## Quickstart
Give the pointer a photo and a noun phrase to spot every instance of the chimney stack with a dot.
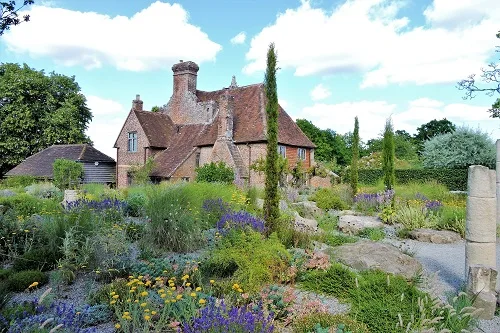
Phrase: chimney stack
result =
(185, 75)
(137, 103)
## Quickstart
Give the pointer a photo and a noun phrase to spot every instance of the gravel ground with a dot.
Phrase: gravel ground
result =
(445, 265)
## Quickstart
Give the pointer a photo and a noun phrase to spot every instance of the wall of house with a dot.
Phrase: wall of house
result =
(103, 172)
(205, 153)
(186, 169)
(293, 158)
(126, 159)
(250, 154)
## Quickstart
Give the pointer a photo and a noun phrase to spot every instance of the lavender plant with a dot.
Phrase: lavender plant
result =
(240, 220)
(221, 319)
(373, 202)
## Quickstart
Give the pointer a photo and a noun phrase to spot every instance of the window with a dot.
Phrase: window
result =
(132, 142)
(301, 154)
(197, 162)
(282, 150)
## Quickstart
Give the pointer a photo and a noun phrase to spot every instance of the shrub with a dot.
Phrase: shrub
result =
(306, 324)
(36, 259)
(460, 149)
(22, 280)
(414, 217)
(373, 202)
(5, 273)
(388, 156)
(215, 172)
(334, 239)
(43, 190)
(25, 205)
(18, 181)
(291, 237)
(249, 259)
(135, 204)
(67, 173)
(214, 209)
(327, 199)
(374, 234)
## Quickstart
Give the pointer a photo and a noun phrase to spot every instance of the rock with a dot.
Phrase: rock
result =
(487, 302)
(435, 236)
(303, 224)
(366, 255)
(7, 193)
(334, 212)
(352, 224)
(308, 209)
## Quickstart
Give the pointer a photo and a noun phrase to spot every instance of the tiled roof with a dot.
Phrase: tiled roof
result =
(157, 126)
(181, 145)
(40, 164)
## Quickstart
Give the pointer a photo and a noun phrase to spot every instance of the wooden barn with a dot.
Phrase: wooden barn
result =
(97, 167)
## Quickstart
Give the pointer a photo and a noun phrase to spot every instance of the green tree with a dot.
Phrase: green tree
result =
(67, 173)
(489, 75)
(155, 108)
(215, 173)
(141, 173)
(271, 199)
(459, 150)
(37, 111)
(432, 128)
(355, 157)
(388, 156)
(9, 14)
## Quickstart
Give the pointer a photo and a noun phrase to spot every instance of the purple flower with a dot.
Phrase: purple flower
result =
(433, 204)
(240, 220)
(219, 319)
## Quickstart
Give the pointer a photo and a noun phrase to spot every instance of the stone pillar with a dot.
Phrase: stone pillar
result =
(498, 181)
(480, 236)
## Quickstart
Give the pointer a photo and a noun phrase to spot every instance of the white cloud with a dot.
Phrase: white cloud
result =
(370, 37)
(373, 114)
(106, 124)
(283, 103)
(239, 38)
(153, 38)
(320, 92)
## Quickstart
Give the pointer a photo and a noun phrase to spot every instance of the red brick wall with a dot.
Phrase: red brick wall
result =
(126, 159)
(291, 155)
(186, 169)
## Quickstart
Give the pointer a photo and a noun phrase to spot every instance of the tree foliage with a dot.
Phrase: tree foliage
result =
(37, 111)
(141, 173)
(271, 199)
(9, 14)
(215, 173)
(491, 77)
(459, 149)
(67, 173)
(329, 145)
(434, 127)
(355, 157)
(388, 156)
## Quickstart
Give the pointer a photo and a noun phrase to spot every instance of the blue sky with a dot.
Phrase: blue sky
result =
(339, 59)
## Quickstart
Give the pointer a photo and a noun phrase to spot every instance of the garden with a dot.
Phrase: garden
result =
(198, 257)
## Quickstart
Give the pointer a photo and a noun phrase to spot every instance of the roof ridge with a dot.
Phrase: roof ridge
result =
(84, 148)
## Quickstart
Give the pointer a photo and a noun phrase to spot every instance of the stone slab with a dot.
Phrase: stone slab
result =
(480, 224)
(353, 224)
(481, 182)
(435, 236)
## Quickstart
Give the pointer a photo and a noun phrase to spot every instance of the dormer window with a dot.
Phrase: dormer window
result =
(132, 142)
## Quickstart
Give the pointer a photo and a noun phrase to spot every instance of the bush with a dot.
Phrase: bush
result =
(36, 259)
(215, 172)
(20, 281)
(135, 204)
(43, 190)
(25, 205)
(306, 324)
(17, 181)
(460, 149)
(414, 217)
(453, 179)
(327, 199)
(248, 259)
(67, 173)
(374, 234)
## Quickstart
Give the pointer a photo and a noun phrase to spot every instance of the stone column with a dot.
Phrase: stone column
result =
(498, 181)
(480, 234)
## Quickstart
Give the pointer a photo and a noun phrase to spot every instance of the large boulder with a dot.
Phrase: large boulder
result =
(353, 224)
(435, 236)
(303, 224)
(307, 209)
(366, 255)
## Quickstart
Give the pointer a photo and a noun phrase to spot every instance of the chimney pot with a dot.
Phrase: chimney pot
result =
(137, 97)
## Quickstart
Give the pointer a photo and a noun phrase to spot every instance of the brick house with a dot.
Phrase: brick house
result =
(198, 127)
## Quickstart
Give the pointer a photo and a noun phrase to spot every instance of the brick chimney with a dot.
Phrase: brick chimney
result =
(185, 73)
(137, 103)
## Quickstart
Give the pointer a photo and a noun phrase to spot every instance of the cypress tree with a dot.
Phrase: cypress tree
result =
(355, 157)
(388, 156)
(271, 200)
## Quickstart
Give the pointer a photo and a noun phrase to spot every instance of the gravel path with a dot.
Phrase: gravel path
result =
(447, 262)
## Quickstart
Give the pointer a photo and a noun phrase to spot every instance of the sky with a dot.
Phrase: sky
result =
(337, 59)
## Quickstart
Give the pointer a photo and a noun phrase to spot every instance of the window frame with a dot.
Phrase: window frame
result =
(132, 142)
(282, 150)
(301, 154)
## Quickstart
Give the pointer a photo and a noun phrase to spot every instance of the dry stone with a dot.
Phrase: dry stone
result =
(308, 209)
(353, 224)
(366, 255)
(303, 224)
(435, 236)
(481, 182)
(480, 254)
(481, 220)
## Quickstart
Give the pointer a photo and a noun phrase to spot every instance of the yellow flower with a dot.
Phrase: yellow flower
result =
(193, 294)
(144, 293)
(131, 277)
(116, 296)
(163, 295)
(167, 301)
(188, 284)
(117, 326)
(146, 310)
(140, 277)
(236, 286)
(212, 281)
(240, 290)
(144, 304)
(34, 284)
(173, 288)
(112, 302)
(153, 312)
(147, 317)
(129, 300)
(136, 301)
(148, 283)
(161, 291)
(126, 313)
(198, 289)
(112, 293)
(202, 301)
(178, 296)
(185, 277)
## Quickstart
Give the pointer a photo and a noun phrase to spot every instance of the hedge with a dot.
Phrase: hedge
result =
(454, 179)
